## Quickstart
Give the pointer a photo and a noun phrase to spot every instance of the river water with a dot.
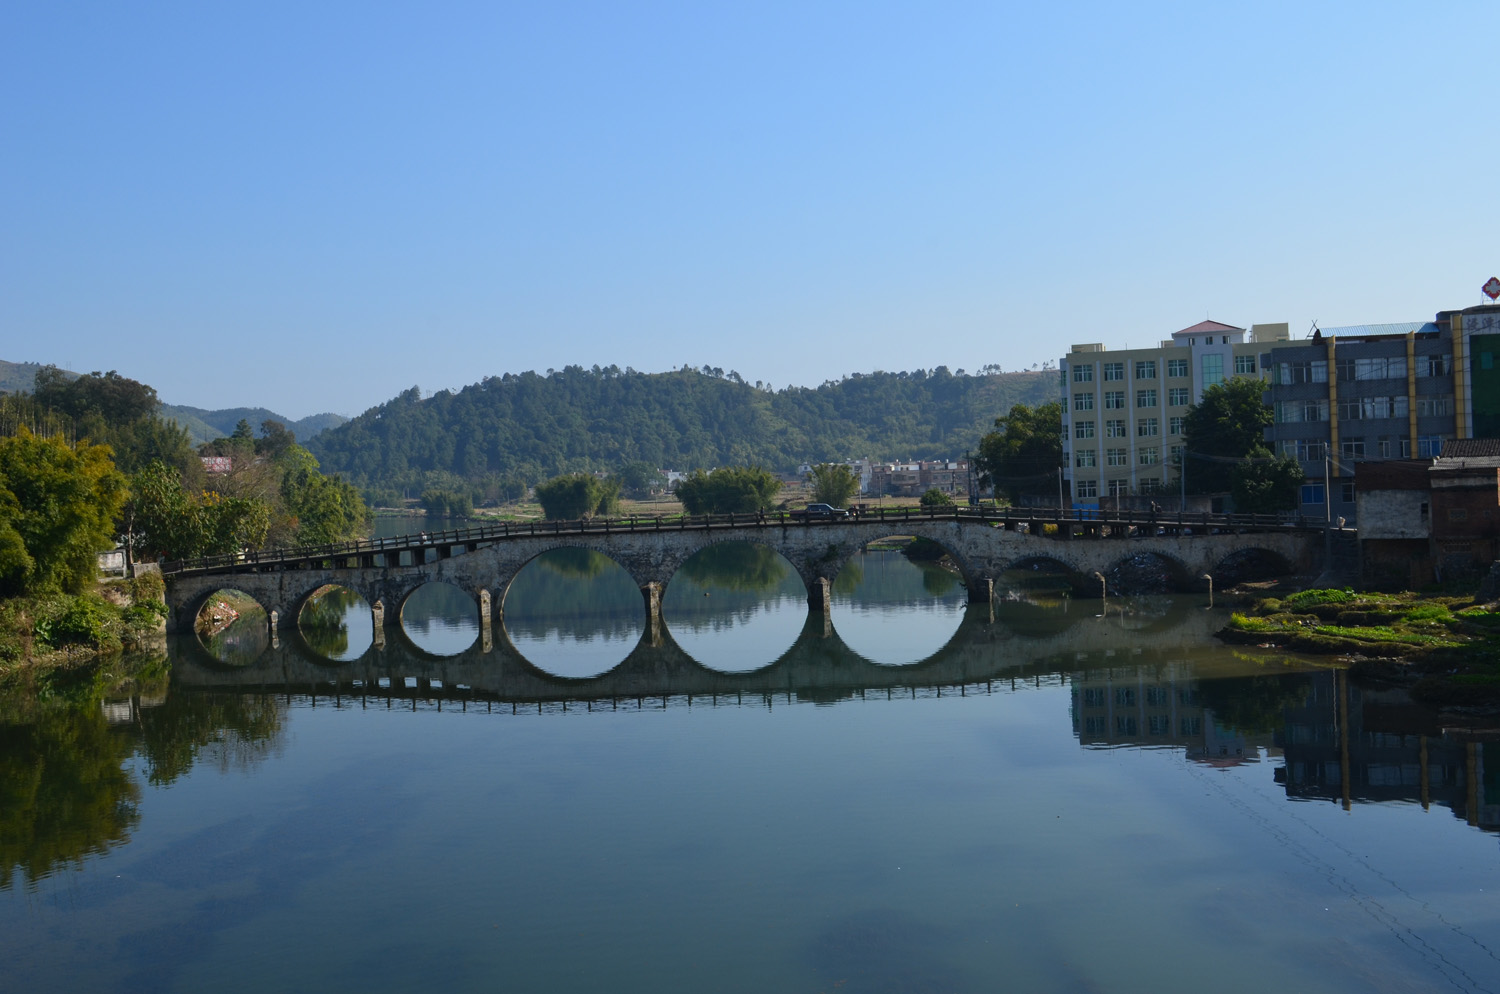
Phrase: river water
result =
(910, 795)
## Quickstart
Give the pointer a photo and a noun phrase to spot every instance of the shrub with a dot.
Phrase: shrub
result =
(84, 620)
(1312, 598)
(1429, 612)
(936, 498)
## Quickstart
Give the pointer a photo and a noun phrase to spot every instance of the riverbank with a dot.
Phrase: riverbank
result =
(61, 631)
(1444, 648)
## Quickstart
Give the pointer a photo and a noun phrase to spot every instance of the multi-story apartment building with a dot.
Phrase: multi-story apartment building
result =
(1375, 392)
(1123, 411)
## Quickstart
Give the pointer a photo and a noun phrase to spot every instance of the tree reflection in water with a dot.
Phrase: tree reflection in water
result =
(324, 623)
(67, 791)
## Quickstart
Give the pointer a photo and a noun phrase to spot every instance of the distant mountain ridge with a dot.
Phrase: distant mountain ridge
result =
(205, 426)
(202, 425)
(535, 426)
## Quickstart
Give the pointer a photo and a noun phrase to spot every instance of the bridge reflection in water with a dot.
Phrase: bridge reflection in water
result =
(1006, 641)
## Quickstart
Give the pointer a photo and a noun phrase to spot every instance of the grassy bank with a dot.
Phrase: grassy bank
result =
(61, 630)
(1447, 647)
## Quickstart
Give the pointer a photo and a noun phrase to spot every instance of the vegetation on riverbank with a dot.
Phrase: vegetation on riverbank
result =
(59, 630)
(1447, 646)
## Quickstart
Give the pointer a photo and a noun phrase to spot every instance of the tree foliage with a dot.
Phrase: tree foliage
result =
(114, 410)
(576, 496)
(1221, 430)
(833, 483)
(1024, 451)
(729, 490)
(936, 498)
(60, 502)
(1265, 483)
(169, 522)
(535, 426)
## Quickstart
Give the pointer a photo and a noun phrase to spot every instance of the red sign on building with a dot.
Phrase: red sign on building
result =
(1492, 288)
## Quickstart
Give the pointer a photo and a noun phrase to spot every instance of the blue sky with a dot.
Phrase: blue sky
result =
(314, 206)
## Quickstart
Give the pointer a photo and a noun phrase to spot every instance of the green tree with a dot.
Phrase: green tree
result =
(1265, 484)
(62, 502)
(327, 509)
(936, 498)
(1024, 451)
(570, 497)
(640, 479)
(730, 490)
(833, 483)
(1221, 430)
(609, 498)
(114, 410)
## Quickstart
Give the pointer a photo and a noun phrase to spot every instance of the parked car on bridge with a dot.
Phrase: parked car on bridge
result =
(821, 511)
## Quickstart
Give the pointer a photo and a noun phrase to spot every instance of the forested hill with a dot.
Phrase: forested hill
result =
(535, 426)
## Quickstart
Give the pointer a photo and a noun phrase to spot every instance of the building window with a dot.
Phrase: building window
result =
(1383, 446)
(1176, 425)
(1312, 493)
(1190, 725)
(1117, 457)
(1114, 400)
(1178, 396)
(1439, 406)
(1435, 365)
(1303, 449)
(1213, 370)
(1145, 398)
(1125, 725)
(1087, 489)
(1149, 485)
(1244, 365)
(1083, 429)
(1146, 428)
(1149, 455)
(1346, 493)
(1177, 367)
(1145, 369)
(1372, 407)
(1293, 411)
(1083, 402)
(1083, 374)
(1352, 448)
(1378, 368)
(1304, 372)
(1429, 446)
(1119, 488)
(1114, 429)
(1083, 458)
(1114, 370)
(1159, 724)
(1176, 452)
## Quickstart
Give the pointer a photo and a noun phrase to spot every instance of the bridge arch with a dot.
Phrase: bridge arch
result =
(1250, 563)
(1040, 564)
(1149, 571)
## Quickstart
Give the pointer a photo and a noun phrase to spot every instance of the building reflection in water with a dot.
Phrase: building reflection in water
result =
(1336, 741)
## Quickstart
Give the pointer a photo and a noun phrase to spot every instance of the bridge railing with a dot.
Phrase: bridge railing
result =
(1034, 519)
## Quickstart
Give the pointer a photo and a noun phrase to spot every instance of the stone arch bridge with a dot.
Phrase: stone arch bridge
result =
(982, 543)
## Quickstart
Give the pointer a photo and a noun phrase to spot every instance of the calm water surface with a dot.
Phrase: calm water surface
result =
(912, 797)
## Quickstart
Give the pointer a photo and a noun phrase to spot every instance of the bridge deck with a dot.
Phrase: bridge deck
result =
(1064, 525)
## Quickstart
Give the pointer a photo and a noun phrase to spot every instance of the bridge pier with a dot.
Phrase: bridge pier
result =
(982, 591)
(651, 592)
(820, 594)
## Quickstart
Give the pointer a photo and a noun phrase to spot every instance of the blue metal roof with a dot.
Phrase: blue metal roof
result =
(1398, 328)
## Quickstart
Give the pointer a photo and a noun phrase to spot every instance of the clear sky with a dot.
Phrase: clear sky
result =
(313, 206)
